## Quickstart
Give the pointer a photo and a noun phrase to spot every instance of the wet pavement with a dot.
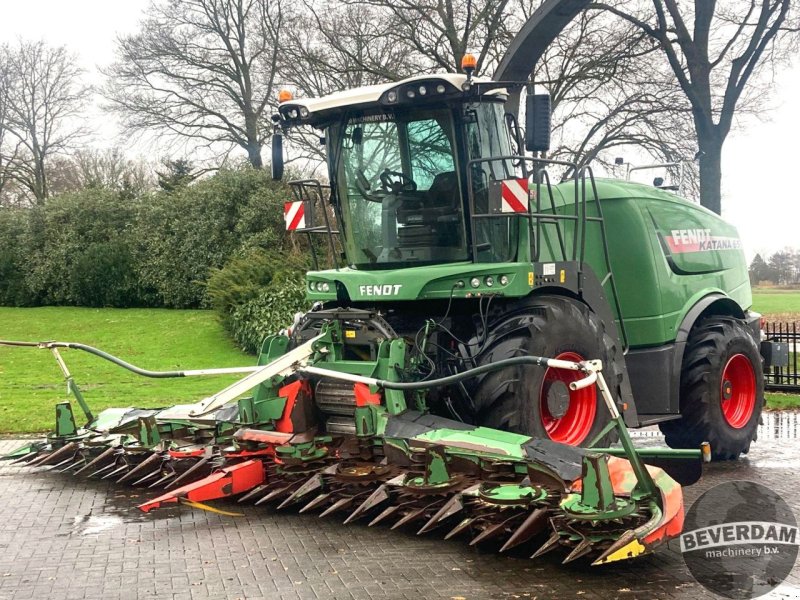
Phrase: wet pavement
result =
(67, 538)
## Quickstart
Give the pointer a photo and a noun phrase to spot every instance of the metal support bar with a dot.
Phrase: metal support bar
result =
(72, 387)
(291, 362)
(645, 482)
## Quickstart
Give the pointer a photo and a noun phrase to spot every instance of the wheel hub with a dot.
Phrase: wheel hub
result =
(567, 416)
(738, 391)
(727, 390)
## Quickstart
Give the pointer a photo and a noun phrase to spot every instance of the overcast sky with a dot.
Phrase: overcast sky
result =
(759, 194)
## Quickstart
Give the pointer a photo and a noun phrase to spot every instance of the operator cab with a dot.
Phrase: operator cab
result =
(398, 158)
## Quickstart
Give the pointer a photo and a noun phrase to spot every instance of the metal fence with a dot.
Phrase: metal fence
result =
(784, 379)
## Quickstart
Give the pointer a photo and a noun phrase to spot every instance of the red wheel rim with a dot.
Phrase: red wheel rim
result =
(737, 391)
(576, 423)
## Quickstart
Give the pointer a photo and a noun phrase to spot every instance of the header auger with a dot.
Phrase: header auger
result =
(381, 462)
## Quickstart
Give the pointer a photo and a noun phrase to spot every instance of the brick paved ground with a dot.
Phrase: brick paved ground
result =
(62, 538)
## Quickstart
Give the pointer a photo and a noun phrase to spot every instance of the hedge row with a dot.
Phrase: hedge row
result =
(257, 294)
(218, 243)
(94, 248)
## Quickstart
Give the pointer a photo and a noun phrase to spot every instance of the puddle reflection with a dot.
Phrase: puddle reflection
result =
(779, 425)
(776, 425)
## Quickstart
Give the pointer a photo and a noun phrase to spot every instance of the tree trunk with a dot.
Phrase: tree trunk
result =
(254, 155)
(39, 181)
(710, 172)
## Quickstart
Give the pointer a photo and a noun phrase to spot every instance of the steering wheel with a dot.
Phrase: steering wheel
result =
(395, 182)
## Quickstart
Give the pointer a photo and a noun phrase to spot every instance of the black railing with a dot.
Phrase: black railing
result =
(784, 379)
(315, 196)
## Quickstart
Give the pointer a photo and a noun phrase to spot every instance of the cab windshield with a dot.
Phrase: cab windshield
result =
(399, 190)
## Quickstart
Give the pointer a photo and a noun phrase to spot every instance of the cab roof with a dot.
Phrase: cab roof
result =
(420, 89)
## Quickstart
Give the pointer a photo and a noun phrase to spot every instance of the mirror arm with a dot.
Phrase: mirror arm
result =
(277, 151)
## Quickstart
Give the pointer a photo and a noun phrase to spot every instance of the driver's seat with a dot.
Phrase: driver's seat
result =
(443, 192)
(433, 219)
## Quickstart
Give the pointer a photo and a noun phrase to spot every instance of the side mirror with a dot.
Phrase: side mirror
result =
(537, 122)
(277, 156)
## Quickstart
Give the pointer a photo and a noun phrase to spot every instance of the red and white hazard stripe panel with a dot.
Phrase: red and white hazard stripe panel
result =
(514, 196)
(294, 214)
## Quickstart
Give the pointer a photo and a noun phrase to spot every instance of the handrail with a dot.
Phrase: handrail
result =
(299, 187)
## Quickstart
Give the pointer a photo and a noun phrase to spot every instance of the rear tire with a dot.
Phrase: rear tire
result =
(722, 390)
(516, 398)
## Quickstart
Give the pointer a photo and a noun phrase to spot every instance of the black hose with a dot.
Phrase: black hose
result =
(99, 353)
(539, 361)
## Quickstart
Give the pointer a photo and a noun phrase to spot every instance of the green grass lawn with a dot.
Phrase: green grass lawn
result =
(770, 301)
(31, 383)
(776, 401)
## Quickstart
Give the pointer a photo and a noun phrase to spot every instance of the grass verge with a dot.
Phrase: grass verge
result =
(777, 401)
(777, 304)
(31, 383)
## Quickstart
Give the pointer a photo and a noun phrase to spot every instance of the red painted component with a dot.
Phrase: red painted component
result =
(738, 391)
(364, 396)
(290, 392)
(228, 481)
(575, 425)
(262, 436)
(186, 453)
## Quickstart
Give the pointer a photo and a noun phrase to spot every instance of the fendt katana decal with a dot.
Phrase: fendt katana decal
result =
(699, 240)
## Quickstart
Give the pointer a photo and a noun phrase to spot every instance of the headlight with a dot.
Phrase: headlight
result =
(325, 287)
(303, 112)
(411, 93)
(503, 279)
(440, 89)
(423, 90)
(489, 281)
(293, 113)
(392, 96)
(312, 285)
(475, 282)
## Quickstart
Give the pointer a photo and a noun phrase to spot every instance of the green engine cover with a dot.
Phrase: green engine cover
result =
(666, 254)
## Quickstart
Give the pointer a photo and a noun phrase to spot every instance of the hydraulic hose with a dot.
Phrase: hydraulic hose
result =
(540, 361)
(126, 365)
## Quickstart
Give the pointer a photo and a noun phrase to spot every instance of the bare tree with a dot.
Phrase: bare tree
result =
(42, 97)
(607, 87)
(336, 46)
(612, 90)
(613, 96)
(716, 50)
(100, 169)
(202, 70)
(8, 147)
(437, 33)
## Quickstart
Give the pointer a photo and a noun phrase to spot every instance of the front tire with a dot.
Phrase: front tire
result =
(722, 390)
(536, 401)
